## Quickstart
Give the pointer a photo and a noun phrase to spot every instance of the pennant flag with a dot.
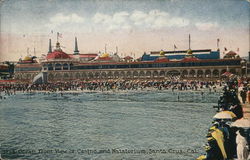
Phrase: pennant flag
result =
(175, 46)
(59, 34)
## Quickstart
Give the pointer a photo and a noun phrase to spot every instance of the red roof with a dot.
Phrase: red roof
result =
(189, 59)
(128, 58)
(57, 55)
(231, 53)
(162, 59)
(7, 81)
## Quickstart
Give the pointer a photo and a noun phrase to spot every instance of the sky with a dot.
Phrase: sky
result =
(134, 26)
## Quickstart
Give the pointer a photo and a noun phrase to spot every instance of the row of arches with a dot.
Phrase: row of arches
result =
(192, 73)
(57, 66)
(28, 76)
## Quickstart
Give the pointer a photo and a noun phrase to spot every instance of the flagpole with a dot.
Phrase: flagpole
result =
(218, 45)
(189, 40)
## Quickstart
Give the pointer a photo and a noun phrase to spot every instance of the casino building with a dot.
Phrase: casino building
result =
(188, 64)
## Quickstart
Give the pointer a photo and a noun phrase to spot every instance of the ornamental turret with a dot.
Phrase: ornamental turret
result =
(76, 51)
(50, 47)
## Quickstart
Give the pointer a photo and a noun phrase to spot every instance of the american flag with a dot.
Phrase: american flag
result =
(59, 34)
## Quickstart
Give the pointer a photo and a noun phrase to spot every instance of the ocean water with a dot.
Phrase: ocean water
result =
(109, 125)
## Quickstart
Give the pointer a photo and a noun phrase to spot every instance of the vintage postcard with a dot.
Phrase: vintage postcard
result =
(124, 79)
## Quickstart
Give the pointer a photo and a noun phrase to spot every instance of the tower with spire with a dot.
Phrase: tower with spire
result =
(50, 47)
(76, 51)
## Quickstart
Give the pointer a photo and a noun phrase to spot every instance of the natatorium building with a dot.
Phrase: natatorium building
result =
(189, 64)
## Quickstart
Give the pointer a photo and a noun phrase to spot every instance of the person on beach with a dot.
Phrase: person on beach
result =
(215, 149)
(242, 150)
(243, 94)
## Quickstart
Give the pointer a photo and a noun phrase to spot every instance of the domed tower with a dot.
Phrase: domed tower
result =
(162, 53)
(162, 57)
(58, 47)
(189, 54)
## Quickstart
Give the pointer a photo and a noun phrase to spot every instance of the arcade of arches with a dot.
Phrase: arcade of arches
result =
(139, 74)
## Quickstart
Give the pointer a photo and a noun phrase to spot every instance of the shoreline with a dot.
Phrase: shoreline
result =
(121, 91)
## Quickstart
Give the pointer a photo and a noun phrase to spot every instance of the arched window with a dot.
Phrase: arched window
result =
(141, 74)
(116, 74)
(184, 73)
(199, 73)
(148, 74)
(192, 73)
(97, 74)
(162, 73)
(173, 73)
(122, 74)
(207, 73)
(155, 74)
(50, 67)
(135, 74)
(65, 66)
(110, 75)
(90, 75)
(103, 75)
(216, 73)
(58, 66)
(129, 74)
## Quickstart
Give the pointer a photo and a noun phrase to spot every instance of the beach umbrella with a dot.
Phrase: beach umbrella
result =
(223, 115)
(226, 74)
(242, 123)
(231, 113)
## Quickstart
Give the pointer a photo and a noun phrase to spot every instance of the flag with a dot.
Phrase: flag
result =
(59, 34)
(175, 46)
